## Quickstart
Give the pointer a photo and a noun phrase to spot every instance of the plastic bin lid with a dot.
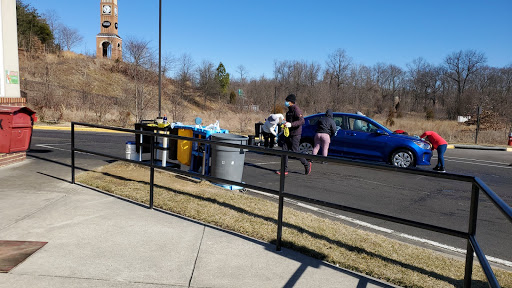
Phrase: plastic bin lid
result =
(207, 132)
(12, 109)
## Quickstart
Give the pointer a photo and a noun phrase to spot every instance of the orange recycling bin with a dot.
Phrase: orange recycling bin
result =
(15, 128)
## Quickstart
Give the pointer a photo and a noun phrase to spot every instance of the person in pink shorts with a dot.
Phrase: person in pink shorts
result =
(325, 129)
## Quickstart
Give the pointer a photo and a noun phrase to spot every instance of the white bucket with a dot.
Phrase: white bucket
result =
(131, 151)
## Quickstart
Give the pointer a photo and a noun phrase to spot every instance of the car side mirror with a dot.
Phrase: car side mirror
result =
(380, 132)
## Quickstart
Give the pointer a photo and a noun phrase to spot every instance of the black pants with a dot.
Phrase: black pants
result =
(292, 144)
(269, 139)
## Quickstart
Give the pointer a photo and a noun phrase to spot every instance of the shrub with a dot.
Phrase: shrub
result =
(429, 114)
(232, 97)
(390, 121)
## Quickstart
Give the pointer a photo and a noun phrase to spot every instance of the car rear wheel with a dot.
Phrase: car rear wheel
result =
(306, 146)
(402, 158)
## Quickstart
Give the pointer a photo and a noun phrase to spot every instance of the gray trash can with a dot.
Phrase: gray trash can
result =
(228, 162)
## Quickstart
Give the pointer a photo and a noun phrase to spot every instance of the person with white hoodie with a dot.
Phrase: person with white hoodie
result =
(269, 129)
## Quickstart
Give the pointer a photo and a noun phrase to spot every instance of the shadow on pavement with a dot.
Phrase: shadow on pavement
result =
(285, 244)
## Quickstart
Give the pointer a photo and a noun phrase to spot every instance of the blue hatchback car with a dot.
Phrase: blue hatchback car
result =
(361, 137)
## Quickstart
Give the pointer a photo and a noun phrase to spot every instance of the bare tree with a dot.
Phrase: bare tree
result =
(52, 19)
(242, 71)
(392, 82)
(424, 83)
(69, 37)
(168, 64)
(282, 72)
(460, 66)
(300, 78)
(361, 87)
(338, 64)
(206, 77)
(185, 70)
(138, 53)
(185, 77)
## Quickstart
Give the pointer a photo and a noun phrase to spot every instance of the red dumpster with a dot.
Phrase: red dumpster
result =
(15, 128)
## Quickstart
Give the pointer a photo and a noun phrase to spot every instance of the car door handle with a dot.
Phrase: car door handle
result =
(351, 134)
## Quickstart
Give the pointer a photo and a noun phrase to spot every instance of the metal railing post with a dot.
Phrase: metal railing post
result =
(152, 172)
(281, 205)
(473, 215)
(72, 153)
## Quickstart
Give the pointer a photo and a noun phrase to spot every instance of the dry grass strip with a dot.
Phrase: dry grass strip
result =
(374, 255)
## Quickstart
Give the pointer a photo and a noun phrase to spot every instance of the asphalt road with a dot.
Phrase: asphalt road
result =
(420, 198)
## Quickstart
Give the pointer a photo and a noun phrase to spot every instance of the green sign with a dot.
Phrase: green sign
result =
(12, 77)
(240, 93)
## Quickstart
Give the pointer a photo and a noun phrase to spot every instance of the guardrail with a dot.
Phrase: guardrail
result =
(478, 185)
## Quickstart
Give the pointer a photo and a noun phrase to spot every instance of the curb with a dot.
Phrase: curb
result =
(478, 147)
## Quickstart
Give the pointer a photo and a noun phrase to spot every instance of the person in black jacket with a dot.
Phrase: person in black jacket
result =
(325, 129)
(294, 122)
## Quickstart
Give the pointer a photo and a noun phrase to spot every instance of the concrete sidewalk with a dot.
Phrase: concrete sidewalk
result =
(97, 240)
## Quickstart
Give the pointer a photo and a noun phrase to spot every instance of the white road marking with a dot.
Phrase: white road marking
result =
(478, 160)
(60, 149)
(482, 164)
(266, 163)
(51, 147)
(57, 144)
(382, 229)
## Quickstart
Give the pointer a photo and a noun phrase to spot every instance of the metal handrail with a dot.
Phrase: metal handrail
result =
(495, 199)
(478, 185)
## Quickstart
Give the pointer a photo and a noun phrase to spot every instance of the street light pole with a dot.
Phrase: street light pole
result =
(160, 60)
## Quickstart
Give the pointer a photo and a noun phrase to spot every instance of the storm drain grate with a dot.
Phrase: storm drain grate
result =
(13, 253)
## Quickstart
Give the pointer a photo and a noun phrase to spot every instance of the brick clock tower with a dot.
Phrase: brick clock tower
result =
(108, 43)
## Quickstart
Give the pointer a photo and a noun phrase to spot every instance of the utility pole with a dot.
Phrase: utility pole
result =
(478, 112)
(160, 60)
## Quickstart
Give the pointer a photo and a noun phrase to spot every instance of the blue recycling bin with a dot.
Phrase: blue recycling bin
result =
(200, 152)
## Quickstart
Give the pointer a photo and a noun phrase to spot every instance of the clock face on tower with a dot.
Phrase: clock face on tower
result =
(115, 11)
(107, 9)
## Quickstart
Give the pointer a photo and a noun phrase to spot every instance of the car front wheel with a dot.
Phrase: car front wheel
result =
(402, 158)
(306, 147)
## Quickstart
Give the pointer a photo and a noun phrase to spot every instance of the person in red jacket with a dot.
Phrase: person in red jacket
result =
(440, 145)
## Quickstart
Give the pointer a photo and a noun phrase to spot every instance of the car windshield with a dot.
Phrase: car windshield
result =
(364, 125)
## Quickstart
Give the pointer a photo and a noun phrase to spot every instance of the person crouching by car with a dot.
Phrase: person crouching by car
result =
(440, 145)
(269, 129)
(325, 129)
(294, 122)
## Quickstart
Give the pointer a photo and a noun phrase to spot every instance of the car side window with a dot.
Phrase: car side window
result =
(372, 128)
(313, 120)
(338, 121)
(359, 125)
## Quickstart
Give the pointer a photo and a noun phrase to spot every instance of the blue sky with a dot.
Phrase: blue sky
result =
(258, 32)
